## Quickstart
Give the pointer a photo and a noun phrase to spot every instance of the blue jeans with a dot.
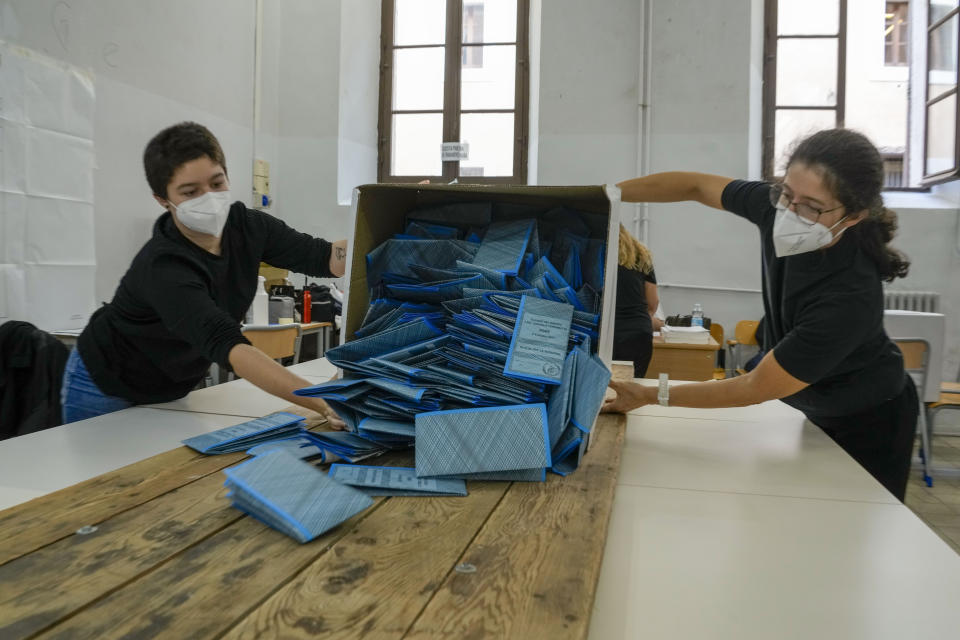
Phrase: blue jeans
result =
(80, 397)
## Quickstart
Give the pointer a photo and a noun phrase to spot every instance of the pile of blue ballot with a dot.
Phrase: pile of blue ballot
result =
(479, 345)
(291, 495)
(243, 436)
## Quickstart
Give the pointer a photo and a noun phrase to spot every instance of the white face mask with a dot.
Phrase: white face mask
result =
(791, 235)
(206, 214)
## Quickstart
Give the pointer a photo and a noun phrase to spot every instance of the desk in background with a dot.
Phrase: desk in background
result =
(683, 361)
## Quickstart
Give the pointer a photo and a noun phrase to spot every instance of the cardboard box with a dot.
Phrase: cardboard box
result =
(379, 211)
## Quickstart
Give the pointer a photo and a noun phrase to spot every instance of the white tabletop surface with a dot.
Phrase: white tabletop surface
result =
(314, 368)
(786, 456)
(236, 398)
(707, 564)
(52, 459)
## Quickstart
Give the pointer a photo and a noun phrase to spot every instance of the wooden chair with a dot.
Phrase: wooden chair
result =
(716, 332)
(916, 361)
(949, 399)
(744, 334)
(278, 341)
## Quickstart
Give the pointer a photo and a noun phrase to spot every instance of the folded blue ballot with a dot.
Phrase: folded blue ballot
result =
(480, 440)
(302, 446)
(539, 343)
(241, 437)
(348, 446)
(292, 496)
(394, 481)
(589, 390)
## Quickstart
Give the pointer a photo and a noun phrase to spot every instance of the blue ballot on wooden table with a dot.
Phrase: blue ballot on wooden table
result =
(241, 437)
(465, 441)
(291, 495)
(394, 481)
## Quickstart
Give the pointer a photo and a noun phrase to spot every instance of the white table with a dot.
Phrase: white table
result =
(319, 368)
(236, 398)
(45, 461)
(751, 523)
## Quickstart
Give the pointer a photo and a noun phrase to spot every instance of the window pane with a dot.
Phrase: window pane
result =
(942, 54)
(416, 148)
(419, 22)
(418, 79)
(941, 135)
(807, 72)
(808, 17)
(794, 124)
(490, 136)
(491, 84)
(489, 21)
(940, 8)
(895, 34)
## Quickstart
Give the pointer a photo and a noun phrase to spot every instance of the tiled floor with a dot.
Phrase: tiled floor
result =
(939, 506)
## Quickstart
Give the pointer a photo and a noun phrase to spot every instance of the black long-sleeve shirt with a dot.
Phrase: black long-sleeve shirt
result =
(178, 307)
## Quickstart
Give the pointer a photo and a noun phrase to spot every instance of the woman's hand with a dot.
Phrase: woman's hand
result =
(630, 395)
(335, 422)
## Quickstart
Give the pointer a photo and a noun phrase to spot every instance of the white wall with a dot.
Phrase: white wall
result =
(155, 64)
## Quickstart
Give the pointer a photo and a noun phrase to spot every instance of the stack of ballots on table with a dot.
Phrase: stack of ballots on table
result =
(479, 343)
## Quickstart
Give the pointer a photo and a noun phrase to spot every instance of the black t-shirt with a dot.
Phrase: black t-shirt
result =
(632, 316)
(823, 316)
(178, 307)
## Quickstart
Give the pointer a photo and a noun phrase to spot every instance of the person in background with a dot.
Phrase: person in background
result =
(637, 301)
(178, 307)
(824, 235)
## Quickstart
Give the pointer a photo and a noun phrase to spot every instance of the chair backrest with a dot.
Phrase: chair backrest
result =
(746, 331)
(911, 326)
(276, 340)
(916, 360)
(716, 332)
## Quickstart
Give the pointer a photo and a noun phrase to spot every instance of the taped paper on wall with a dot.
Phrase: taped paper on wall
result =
(46, 190)
(46, 247)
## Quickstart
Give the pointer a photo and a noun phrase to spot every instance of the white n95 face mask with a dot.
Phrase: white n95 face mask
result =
(206, 214)
(791, 235)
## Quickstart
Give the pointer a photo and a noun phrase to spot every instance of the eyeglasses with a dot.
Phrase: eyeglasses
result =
(780, 196)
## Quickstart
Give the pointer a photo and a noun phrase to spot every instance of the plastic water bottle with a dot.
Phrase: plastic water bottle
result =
(258, 312)
(696, 318)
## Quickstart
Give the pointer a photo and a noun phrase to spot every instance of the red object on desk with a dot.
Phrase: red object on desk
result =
(307, 305)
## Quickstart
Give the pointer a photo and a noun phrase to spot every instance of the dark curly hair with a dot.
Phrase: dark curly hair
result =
(175, 146)
(851, 167)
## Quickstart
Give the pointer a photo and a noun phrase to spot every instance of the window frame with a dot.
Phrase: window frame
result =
(453, 47)
(770, 108)
(953, 173)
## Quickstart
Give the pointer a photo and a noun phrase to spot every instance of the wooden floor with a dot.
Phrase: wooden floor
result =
(155, 550)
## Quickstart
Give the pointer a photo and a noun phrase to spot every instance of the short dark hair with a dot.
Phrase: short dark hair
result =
(175, 146)
(852, 168)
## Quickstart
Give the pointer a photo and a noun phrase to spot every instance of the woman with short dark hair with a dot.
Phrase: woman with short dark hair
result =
(178, 307)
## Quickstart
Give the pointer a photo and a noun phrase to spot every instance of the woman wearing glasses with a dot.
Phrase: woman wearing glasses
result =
(824, 235)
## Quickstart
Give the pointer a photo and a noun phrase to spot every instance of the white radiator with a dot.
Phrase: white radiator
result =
(928, 301)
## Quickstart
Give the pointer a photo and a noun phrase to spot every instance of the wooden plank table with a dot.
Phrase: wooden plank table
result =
(154, 549)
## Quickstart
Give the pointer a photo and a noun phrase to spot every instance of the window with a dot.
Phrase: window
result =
(453, 71)
(895, 34)
(826, 65)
